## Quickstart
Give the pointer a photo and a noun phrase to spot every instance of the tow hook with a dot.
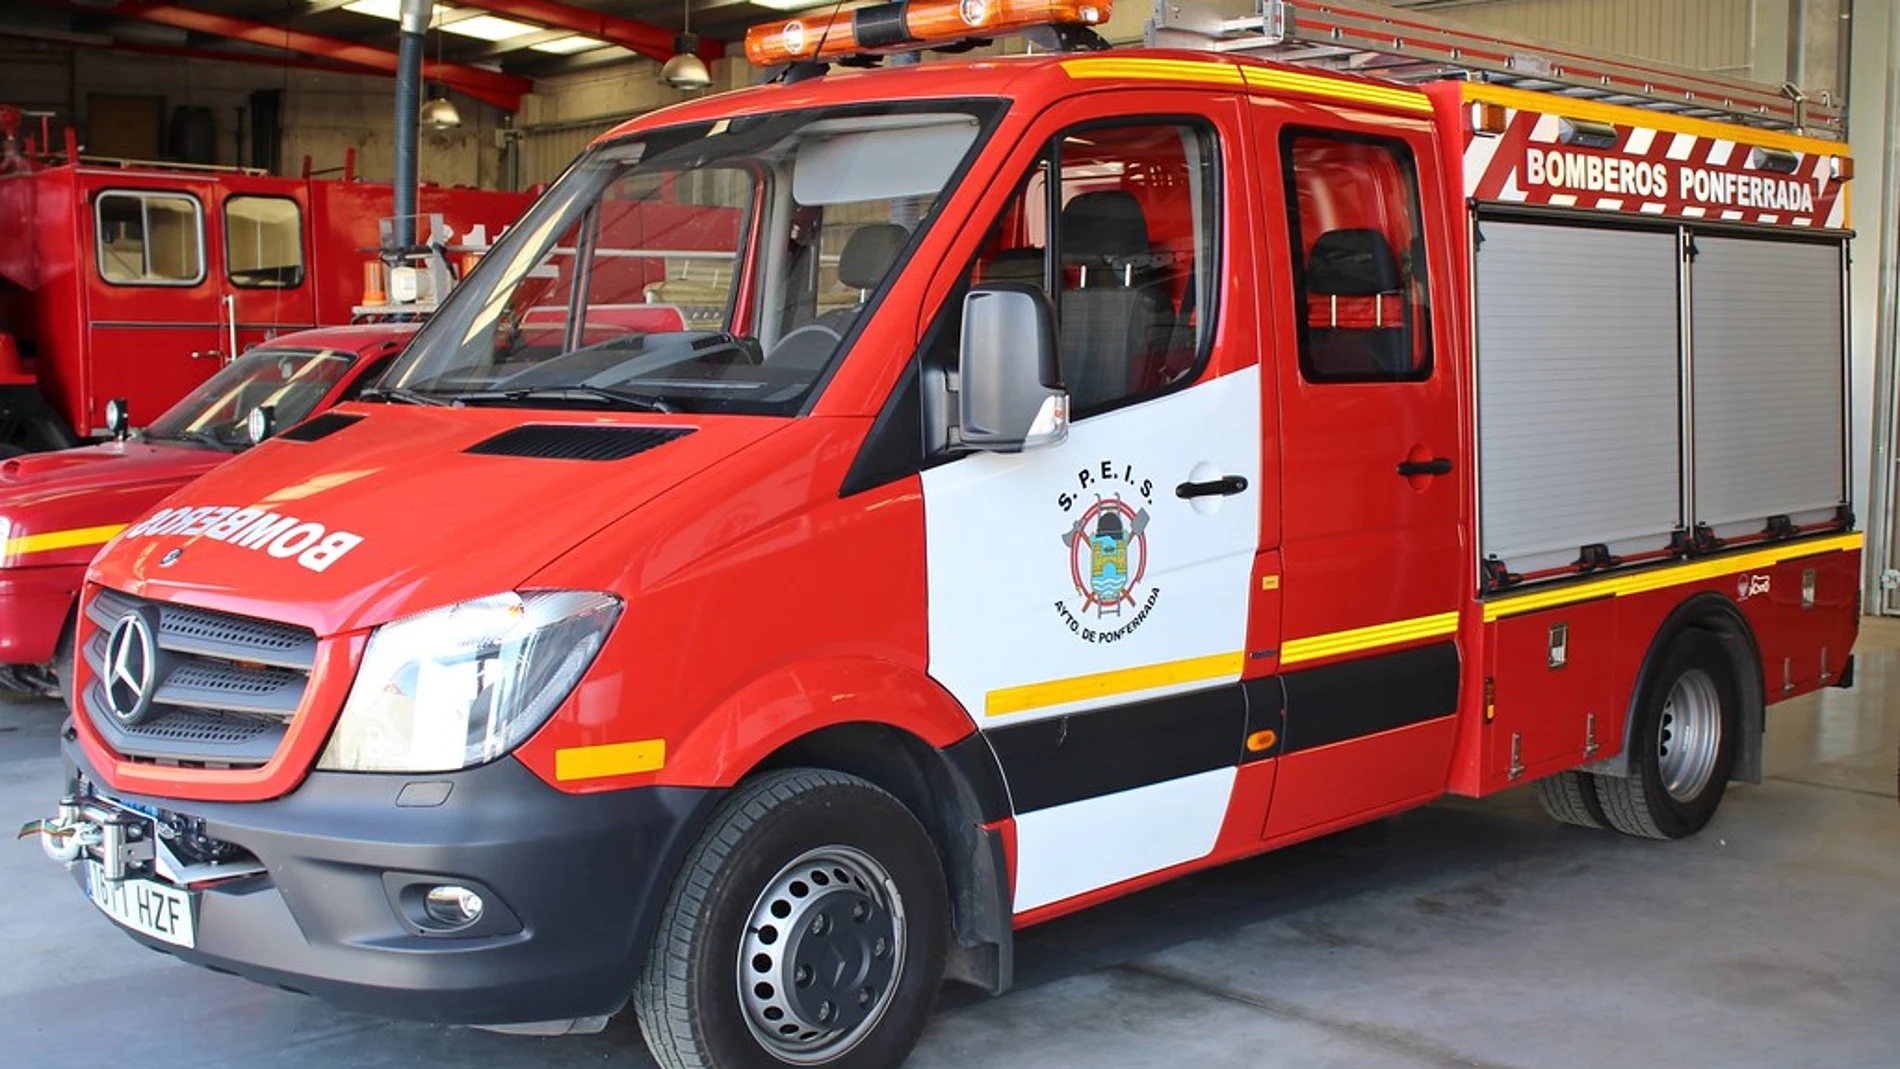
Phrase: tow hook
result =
(121, 843)
(64, 836)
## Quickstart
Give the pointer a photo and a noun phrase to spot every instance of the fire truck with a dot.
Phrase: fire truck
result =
(1077, 470)
(134, 281)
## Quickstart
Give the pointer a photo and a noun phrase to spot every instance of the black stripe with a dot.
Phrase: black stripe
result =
(1369, 695)
(1086, 755)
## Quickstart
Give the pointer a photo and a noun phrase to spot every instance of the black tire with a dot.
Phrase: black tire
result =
(688, 1000)
(1571, 798)
(1642, 804)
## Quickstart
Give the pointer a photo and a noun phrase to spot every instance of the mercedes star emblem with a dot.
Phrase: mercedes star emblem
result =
(130, 669)
(170, 558)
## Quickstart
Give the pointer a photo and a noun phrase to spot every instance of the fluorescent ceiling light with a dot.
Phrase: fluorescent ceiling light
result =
(567, 46)
(488, 28)
(379, 9)
(791, 5)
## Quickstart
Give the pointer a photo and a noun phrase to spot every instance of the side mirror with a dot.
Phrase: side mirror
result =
(118, 418)
(262, 423)
(1010, 394)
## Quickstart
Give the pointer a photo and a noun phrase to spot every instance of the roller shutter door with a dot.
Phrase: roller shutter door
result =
(1578, 401)
(1767, 322)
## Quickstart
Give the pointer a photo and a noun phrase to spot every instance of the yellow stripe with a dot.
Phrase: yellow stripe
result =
(1174, 70)
(81, 536)
(1662, 578)
(1366, 638)
(1294, 81)
(613, 759)
(1106, 684)
(1546, 103)
(1187, 70)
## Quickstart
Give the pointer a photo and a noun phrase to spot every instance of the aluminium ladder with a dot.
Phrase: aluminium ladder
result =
(1408, 46)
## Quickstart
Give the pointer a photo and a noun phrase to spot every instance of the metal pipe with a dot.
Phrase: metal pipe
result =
(413, 25)
(1879, 518)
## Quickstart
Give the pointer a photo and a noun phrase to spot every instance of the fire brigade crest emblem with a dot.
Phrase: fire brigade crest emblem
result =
(1108, 555)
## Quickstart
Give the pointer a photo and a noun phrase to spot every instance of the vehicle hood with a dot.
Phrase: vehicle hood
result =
(58, 507)
(112, 466)
(402, 510)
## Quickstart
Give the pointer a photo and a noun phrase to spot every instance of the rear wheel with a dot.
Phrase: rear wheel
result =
(1571, 798)
(806, 928)
(1683, 747)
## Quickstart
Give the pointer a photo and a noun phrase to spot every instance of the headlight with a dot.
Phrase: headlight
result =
(465, 684)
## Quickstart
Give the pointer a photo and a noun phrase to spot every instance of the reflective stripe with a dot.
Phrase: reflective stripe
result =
(1106, 684)
(1661, 578)
(1187, 70)
(613, 759)
(1367, 638)
(50, 540)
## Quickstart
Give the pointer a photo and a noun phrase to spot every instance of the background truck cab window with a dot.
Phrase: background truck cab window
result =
(263, 242)
(1359, 263)
(1131, 225)
(149, 239)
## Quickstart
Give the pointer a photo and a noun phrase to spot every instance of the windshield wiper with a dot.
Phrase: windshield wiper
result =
(401, 396)
(209, 438)
(641, 401)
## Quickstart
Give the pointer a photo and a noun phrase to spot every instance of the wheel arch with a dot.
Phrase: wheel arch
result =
(1717, 615)
(957, 793)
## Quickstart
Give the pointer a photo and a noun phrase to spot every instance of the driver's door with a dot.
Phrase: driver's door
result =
(1088, 602)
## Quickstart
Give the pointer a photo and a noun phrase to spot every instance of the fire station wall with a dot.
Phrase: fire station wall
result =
(325, 113)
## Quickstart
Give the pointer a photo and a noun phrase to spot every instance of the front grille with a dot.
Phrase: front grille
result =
(225, 690)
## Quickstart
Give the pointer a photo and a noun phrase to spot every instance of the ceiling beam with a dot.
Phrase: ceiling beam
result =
(654, 42)
(502, 90)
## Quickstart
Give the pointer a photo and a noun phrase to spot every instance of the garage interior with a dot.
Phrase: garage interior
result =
(1470, 933)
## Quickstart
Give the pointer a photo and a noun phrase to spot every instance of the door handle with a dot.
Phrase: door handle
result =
(1225, 486)
(1434, 466)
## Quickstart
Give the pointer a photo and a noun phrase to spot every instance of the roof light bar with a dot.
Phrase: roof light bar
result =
(907, 25)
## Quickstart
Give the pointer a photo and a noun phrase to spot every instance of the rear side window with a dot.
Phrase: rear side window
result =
(149, 239)
(1363, 304)
(263, 242)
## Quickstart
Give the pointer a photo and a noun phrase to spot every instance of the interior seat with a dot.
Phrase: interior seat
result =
(1115, 315)
(868, 255)
(1354, 324)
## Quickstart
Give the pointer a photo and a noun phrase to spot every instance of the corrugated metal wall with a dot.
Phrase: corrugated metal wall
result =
(1710, 35)
(546, 151)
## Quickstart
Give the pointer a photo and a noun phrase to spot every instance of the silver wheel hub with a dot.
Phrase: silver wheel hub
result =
(1690, 737)
(822, 953)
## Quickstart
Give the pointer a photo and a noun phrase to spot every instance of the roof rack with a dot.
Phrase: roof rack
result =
(1398, 43)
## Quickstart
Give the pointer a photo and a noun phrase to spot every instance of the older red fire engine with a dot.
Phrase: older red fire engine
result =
(1069, 471)
(137, 281)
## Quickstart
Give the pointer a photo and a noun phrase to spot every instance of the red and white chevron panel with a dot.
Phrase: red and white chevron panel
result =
(1650, 172)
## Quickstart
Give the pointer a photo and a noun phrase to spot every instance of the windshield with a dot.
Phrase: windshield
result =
(717, 267)
(216, 413)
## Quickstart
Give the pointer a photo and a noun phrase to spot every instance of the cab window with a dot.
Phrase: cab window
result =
(1364, 312)
(149, 239)
(1118, 223)
(263, 242)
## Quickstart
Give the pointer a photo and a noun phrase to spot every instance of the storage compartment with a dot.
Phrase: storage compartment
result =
(1579, 410)
(1767, 320)
(1550, 706)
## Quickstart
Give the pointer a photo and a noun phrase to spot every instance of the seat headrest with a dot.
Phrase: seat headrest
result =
(869, 253)
(1015, 265)
(1352, 263)
(1106, 223)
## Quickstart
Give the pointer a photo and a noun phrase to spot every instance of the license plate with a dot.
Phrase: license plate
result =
(151, 908)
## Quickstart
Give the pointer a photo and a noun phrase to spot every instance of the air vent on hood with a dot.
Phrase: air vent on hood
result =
(319, 427)
(569, 442)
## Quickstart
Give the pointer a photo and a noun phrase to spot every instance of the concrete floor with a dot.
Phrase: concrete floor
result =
(1469, 934)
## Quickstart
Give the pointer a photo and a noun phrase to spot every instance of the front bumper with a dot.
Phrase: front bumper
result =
(579, 881)
(34, 606)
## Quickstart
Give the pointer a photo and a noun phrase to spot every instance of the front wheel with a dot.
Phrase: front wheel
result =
(806, 927)
(1683, 747)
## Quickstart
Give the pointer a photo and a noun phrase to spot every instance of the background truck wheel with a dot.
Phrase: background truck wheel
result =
(1571, 798)
(1683, 747)
(806, 927)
